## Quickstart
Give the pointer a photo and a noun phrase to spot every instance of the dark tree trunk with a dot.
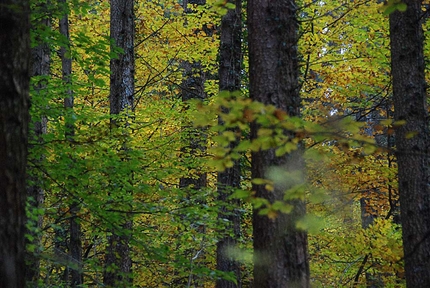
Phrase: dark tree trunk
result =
(14, 86)
(75, 245)
(412, 140)
(193, 88)
(194, 139)
(40, 55)
(122, 68)
(281, 257)
(194, 144)
(230, 61)
(121, 100)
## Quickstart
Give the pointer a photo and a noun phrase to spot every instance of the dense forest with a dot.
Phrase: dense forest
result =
(214, 143)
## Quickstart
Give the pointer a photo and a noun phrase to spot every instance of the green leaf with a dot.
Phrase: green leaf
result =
(240, 194)
(259, 202)
(260, 181)
(369, 149)
(393, 5)
(402, 7)
(317, 196)
(230, 135)
(311, 223)
(230, 6)
(264, 211)
(282, 207)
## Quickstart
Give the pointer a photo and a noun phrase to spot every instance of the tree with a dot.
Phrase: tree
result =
(193, 87)
(195, 181)
(14, 87)
(281, 257)
(75, 246)
(118, 259)
(41, 59)
(230, 68)
(412, 139)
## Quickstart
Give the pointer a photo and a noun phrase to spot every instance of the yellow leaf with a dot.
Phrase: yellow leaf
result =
(411, 134)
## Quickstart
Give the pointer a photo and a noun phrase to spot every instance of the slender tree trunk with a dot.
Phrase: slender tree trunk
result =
(194, 139)
(40, 67)
(281, 257)
(370, 212)
(412, 140)
(75, 245)
(230, 59)
(118, 258)
(14, 118)
(193, 88)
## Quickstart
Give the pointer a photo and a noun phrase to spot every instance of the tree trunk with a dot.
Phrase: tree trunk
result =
(75, 245)
(40, 55)
(121, 99)
(230, 59)
(194, 139)
(412, 140)
(281, 257)
(14, 87)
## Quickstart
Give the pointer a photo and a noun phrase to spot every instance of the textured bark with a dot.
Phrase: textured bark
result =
(14, 87)
(230, 61)
(281, 257)
(121, 98)
(122, 68)
(410, 105)
(40, 55)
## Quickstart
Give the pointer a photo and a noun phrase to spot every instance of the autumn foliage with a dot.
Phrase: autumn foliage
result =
(346, 130)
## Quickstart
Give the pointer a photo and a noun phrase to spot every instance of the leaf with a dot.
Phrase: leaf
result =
(386, 122)
(259, 202)
(269, 187)
(264, 211)
(240, 194)
(264, 132)
(399, 123)
(317, 196)
(272, 214)
(282, 207)
(296, 192)
(411, 134)
(243, 146)
(230, 6)
(260, 181)
(311, 223)
(369, 149)
(230, 135)
(228, 163)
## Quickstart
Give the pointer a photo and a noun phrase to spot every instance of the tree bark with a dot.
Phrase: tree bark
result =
(75, 245)
(14, 86)
(281, 257)
(412, 140)
(40, 55)
(230, 61)
(118, 259)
